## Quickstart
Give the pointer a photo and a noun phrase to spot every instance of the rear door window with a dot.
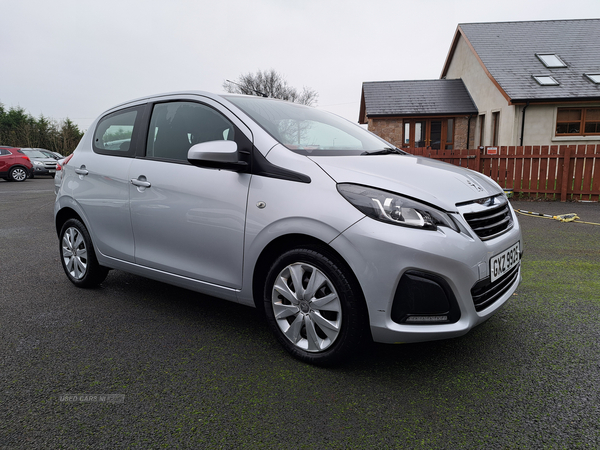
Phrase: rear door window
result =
(115, 133)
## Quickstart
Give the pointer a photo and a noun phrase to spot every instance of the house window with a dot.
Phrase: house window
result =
(551, 60)
(593, 77)
(481, 130)
(495, 123)
(577, 121)
(450, 135)
(545, 80)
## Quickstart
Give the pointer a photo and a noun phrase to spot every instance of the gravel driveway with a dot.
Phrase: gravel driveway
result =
(140, 364)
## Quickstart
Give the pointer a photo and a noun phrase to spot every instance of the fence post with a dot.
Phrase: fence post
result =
(478, 167)
(565, 174)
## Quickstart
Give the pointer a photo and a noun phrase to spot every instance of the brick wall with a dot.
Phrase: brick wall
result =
(460, 132)
(388, 129)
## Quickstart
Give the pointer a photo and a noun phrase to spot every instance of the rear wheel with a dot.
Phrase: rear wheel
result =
(313, 308)
(17, 174)
(78, 257)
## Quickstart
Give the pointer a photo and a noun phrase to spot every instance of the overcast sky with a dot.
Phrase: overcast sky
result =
(77, 58)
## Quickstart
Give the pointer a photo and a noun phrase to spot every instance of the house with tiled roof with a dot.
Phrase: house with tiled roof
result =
(530, 83)
(422, 113)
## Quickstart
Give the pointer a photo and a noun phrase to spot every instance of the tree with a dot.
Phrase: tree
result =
(20, 129)
(272, 84)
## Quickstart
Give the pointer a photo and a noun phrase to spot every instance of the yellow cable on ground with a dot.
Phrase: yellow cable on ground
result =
(571, 217)
(589, 223)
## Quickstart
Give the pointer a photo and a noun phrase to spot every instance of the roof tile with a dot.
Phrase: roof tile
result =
(417, 97)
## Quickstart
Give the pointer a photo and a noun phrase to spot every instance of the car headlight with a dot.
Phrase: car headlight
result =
(37, 163)
(395, 209)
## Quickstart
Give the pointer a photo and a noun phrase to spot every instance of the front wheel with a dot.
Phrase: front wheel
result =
(78, 257)
(314, 307)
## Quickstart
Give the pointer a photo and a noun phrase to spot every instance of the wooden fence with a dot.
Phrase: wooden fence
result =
(568, 172)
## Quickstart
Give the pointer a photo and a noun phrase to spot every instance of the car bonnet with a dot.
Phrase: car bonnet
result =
(434, 182)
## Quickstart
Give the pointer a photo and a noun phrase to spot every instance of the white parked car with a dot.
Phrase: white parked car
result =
(335, 234)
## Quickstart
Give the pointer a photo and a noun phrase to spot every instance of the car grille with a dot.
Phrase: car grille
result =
(491, 221)
(485, 293)
(50, 164)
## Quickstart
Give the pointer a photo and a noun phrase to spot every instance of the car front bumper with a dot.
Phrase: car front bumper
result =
(39, 170)
(420, 285)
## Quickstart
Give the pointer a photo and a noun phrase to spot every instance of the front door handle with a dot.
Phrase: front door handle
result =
(140, 182)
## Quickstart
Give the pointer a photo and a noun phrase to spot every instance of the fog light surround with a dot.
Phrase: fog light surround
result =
(424, 298)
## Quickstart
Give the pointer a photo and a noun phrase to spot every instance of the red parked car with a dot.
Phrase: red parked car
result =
(14, 166)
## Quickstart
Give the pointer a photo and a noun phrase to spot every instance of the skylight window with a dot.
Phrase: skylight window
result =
(551, 60)
(594, 77)
(545, 80)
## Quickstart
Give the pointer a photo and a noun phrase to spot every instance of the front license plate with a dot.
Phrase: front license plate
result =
(503, 262)
(52, 171)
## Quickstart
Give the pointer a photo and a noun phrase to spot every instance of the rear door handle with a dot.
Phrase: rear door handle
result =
(81, 171)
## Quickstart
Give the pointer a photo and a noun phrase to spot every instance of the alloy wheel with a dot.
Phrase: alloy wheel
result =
(74, 253)
(306, 307)
(19, 174)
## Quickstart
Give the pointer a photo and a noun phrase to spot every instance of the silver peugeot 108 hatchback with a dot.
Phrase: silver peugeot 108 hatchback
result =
(335, 234)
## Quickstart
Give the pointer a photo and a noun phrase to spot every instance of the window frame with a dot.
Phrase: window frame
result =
(549, 65)
(449, 132)
(538, 79)
(137, 125)
(409, 124)
(495, 128)
(582, 122)
(481, 120)
(242, 134)
(593, 77)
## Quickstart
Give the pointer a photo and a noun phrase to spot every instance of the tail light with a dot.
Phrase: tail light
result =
(64, 163)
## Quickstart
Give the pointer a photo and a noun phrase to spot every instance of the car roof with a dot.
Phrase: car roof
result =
(166, 94)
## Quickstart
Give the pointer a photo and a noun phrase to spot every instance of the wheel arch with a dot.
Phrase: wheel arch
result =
(63, 215)
(16, 166)
(288, 242)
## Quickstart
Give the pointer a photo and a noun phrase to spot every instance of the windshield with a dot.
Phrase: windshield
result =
(307, 130)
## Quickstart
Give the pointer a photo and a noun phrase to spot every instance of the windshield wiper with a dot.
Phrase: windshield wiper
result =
(385, 151)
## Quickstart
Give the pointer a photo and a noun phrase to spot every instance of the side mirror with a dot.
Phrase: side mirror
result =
(217, 155)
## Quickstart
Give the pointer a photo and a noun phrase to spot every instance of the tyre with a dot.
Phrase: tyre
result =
(17, 174)
(78, 257)
(314, 307)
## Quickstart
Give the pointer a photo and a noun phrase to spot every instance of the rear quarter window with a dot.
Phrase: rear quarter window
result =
(116, 133)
